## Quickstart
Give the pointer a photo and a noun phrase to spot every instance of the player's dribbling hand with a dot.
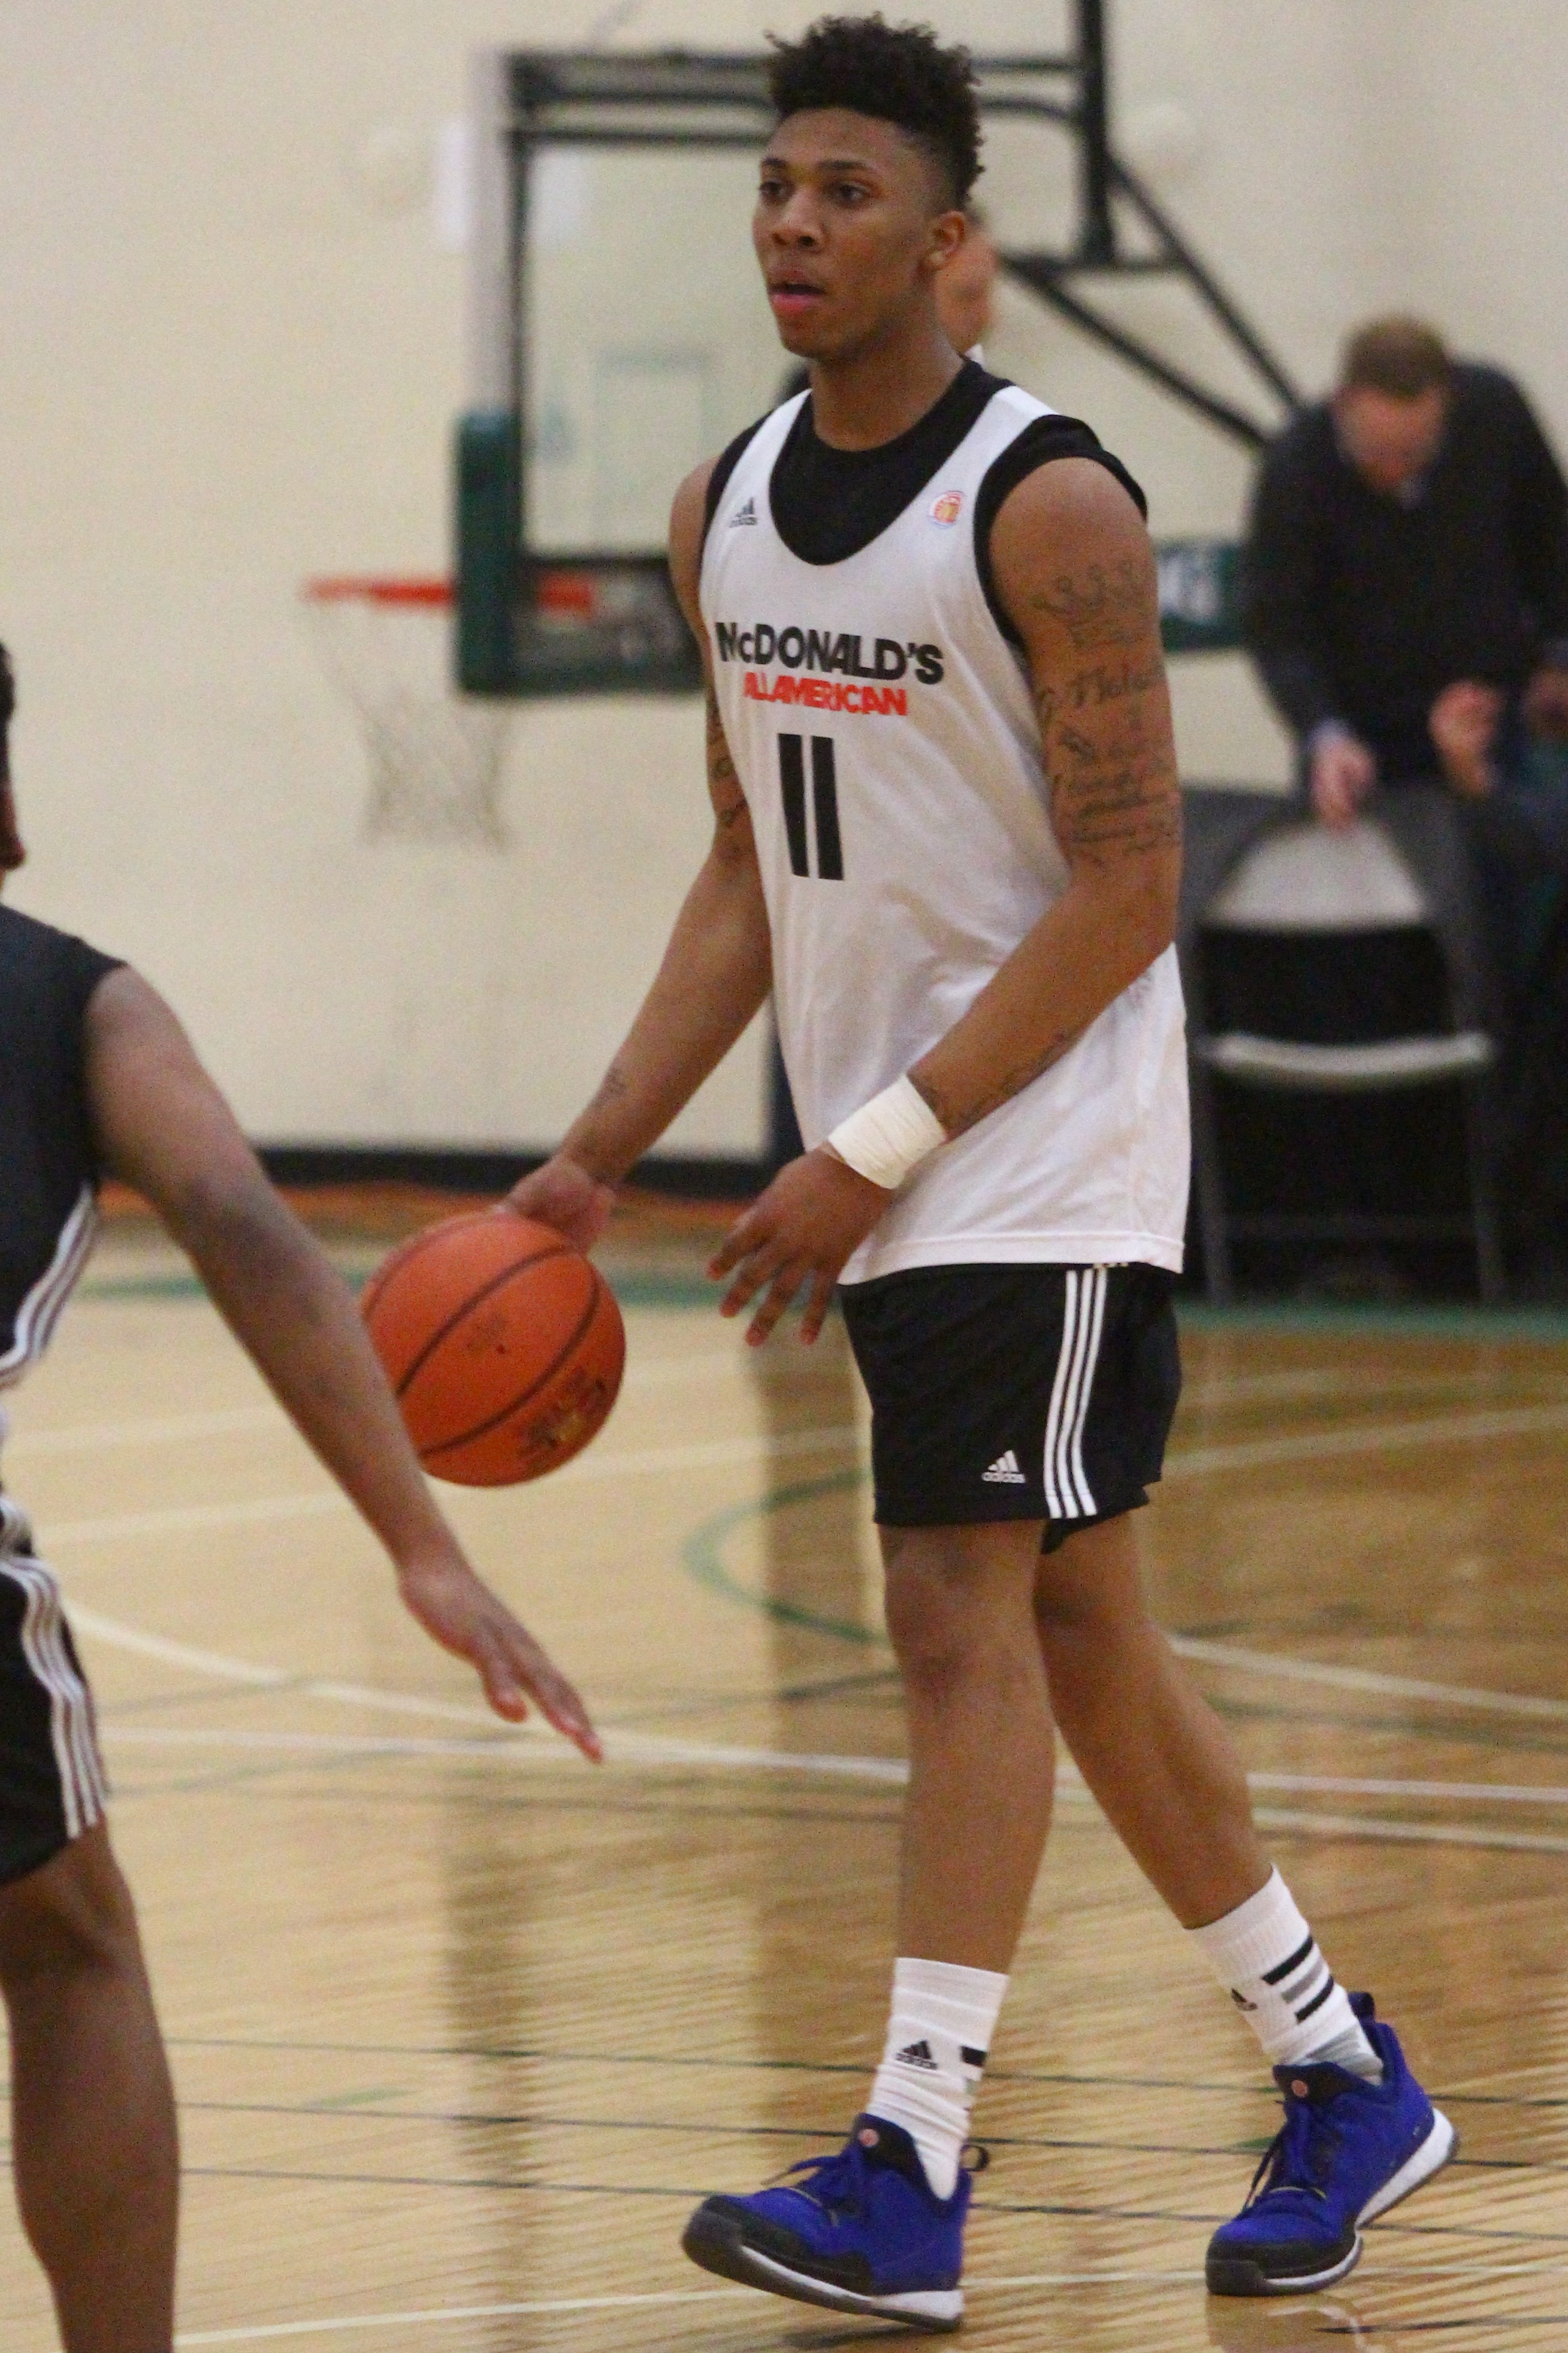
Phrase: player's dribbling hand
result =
(564, 1195)
(797, 1235)
(458, 1610)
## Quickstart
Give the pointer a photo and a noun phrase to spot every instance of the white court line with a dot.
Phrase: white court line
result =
(1366, 1438)
(506, 1749)
(631, 1746)
(626, 2303)
(1368, 1679)
(161, 1429)
(889, 1771)
(1197, 1462)
(661, 1372)
(544, 2308)
(455, 2312)
(620, 1747)
(176, 1519)
(167, 1429)
(1371, 1826)
(705, 1454)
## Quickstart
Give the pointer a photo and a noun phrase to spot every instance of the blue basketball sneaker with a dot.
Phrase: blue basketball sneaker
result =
(862, 2231)
(1348, 2150)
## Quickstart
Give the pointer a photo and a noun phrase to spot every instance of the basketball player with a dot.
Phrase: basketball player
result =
(947, 829)
(97, 1075)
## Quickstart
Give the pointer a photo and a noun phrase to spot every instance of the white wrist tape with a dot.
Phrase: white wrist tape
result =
(888, 1138)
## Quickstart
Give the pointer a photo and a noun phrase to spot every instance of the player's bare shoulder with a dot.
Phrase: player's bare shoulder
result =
(1072, 560)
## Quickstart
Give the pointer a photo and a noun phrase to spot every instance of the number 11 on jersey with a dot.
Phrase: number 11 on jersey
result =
(829, 865)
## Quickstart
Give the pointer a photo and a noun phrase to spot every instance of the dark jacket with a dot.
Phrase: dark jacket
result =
(1359, 607)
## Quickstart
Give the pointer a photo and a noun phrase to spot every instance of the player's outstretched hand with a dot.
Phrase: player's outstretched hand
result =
(797, 1236)
(564, 1195)
(458, 1610)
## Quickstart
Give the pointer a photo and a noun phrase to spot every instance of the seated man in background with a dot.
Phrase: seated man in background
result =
(1405, 592)
(97, 1076)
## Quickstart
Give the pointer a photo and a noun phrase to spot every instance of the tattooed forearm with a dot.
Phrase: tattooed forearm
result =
(1110, 681)
(1118, 807)
(1103, 605)
(957, 1120)
(724, 787)
(1114, 794)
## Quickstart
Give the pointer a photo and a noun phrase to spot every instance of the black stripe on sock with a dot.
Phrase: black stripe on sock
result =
(970, 2056)
(1316, 2003)
(1312, 1975)
(1287, 1968)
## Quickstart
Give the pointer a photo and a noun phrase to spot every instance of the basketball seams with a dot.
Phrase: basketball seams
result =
(475, 1299)
(493, 1422)
(386, 1274)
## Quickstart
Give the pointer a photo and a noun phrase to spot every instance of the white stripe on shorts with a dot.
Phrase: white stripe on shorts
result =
(1067, 1493)
(40, 1311)
(83, 1794)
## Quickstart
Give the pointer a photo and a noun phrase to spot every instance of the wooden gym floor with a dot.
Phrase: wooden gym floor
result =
(462, 2028)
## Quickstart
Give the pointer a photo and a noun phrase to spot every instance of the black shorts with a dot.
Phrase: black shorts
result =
(52, 1784)
(1016, 1392)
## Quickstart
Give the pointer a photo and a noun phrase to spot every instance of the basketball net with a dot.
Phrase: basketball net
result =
(435, 754)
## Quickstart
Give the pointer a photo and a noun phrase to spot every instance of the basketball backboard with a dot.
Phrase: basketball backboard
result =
(618, 334)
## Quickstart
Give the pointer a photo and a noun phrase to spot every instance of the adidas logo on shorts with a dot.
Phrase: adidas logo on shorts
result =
(748, 513)
(1005, 1471)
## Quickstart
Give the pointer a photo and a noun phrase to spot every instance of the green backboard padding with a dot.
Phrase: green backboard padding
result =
(518, 632)
(1200, 606)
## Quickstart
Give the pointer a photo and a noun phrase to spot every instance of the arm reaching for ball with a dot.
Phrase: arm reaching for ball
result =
(163, 1127)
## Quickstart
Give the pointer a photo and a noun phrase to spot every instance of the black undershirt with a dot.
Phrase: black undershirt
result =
(46, 1147)
(828, 504)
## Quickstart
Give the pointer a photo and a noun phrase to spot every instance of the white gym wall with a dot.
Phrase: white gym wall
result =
(233, 351)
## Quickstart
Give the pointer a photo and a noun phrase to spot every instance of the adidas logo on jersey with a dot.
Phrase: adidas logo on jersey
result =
(748, 513)
(917, 2054)
(1005, 1471)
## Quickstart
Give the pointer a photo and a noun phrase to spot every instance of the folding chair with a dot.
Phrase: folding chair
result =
(1351, 890)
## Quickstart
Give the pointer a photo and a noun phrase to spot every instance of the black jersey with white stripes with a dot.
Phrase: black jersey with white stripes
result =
(48, 1165)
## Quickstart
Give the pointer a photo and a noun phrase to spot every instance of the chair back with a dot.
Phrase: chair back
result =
(1299, 877)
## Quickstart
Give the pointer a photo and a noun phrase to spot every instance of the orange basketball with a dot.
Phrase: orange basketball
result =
(504, 1347)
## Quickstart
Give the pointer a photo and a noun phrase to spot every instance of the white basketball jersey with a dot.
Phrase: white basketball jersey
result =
(888, 745)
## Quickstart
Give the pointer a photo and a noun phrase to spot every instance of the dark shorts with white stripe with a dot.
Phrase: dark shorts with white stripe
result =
(51, 1777)
(1016, 1392)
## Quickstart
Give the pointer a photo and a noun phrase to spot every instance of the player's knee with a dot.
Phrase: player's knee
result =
(947, 1628)
(73, 1913)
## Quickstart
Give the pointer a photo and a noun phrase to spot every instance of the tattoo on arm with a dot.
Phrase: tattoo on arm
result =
(1114, 792)
(610, 1090)
(957, 1121)
(1100, 606)
(723, 783)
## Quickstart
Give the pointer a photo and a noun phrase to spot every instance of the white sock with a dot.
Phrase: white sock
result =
(942, 2021)
(1267, 1958)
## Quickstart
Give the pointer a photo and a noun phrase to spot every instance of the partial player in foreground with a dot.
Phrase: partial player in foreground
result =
(97, 1076)
(947, 835)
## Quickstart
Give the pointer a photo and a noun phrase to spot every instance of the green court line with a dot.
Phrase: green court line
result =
(1441, 1320)
(704, 1556)
(1436, 1320)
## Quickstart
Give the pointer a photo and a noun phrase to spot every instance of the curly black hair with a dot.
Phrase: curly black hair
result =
(898, 73)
